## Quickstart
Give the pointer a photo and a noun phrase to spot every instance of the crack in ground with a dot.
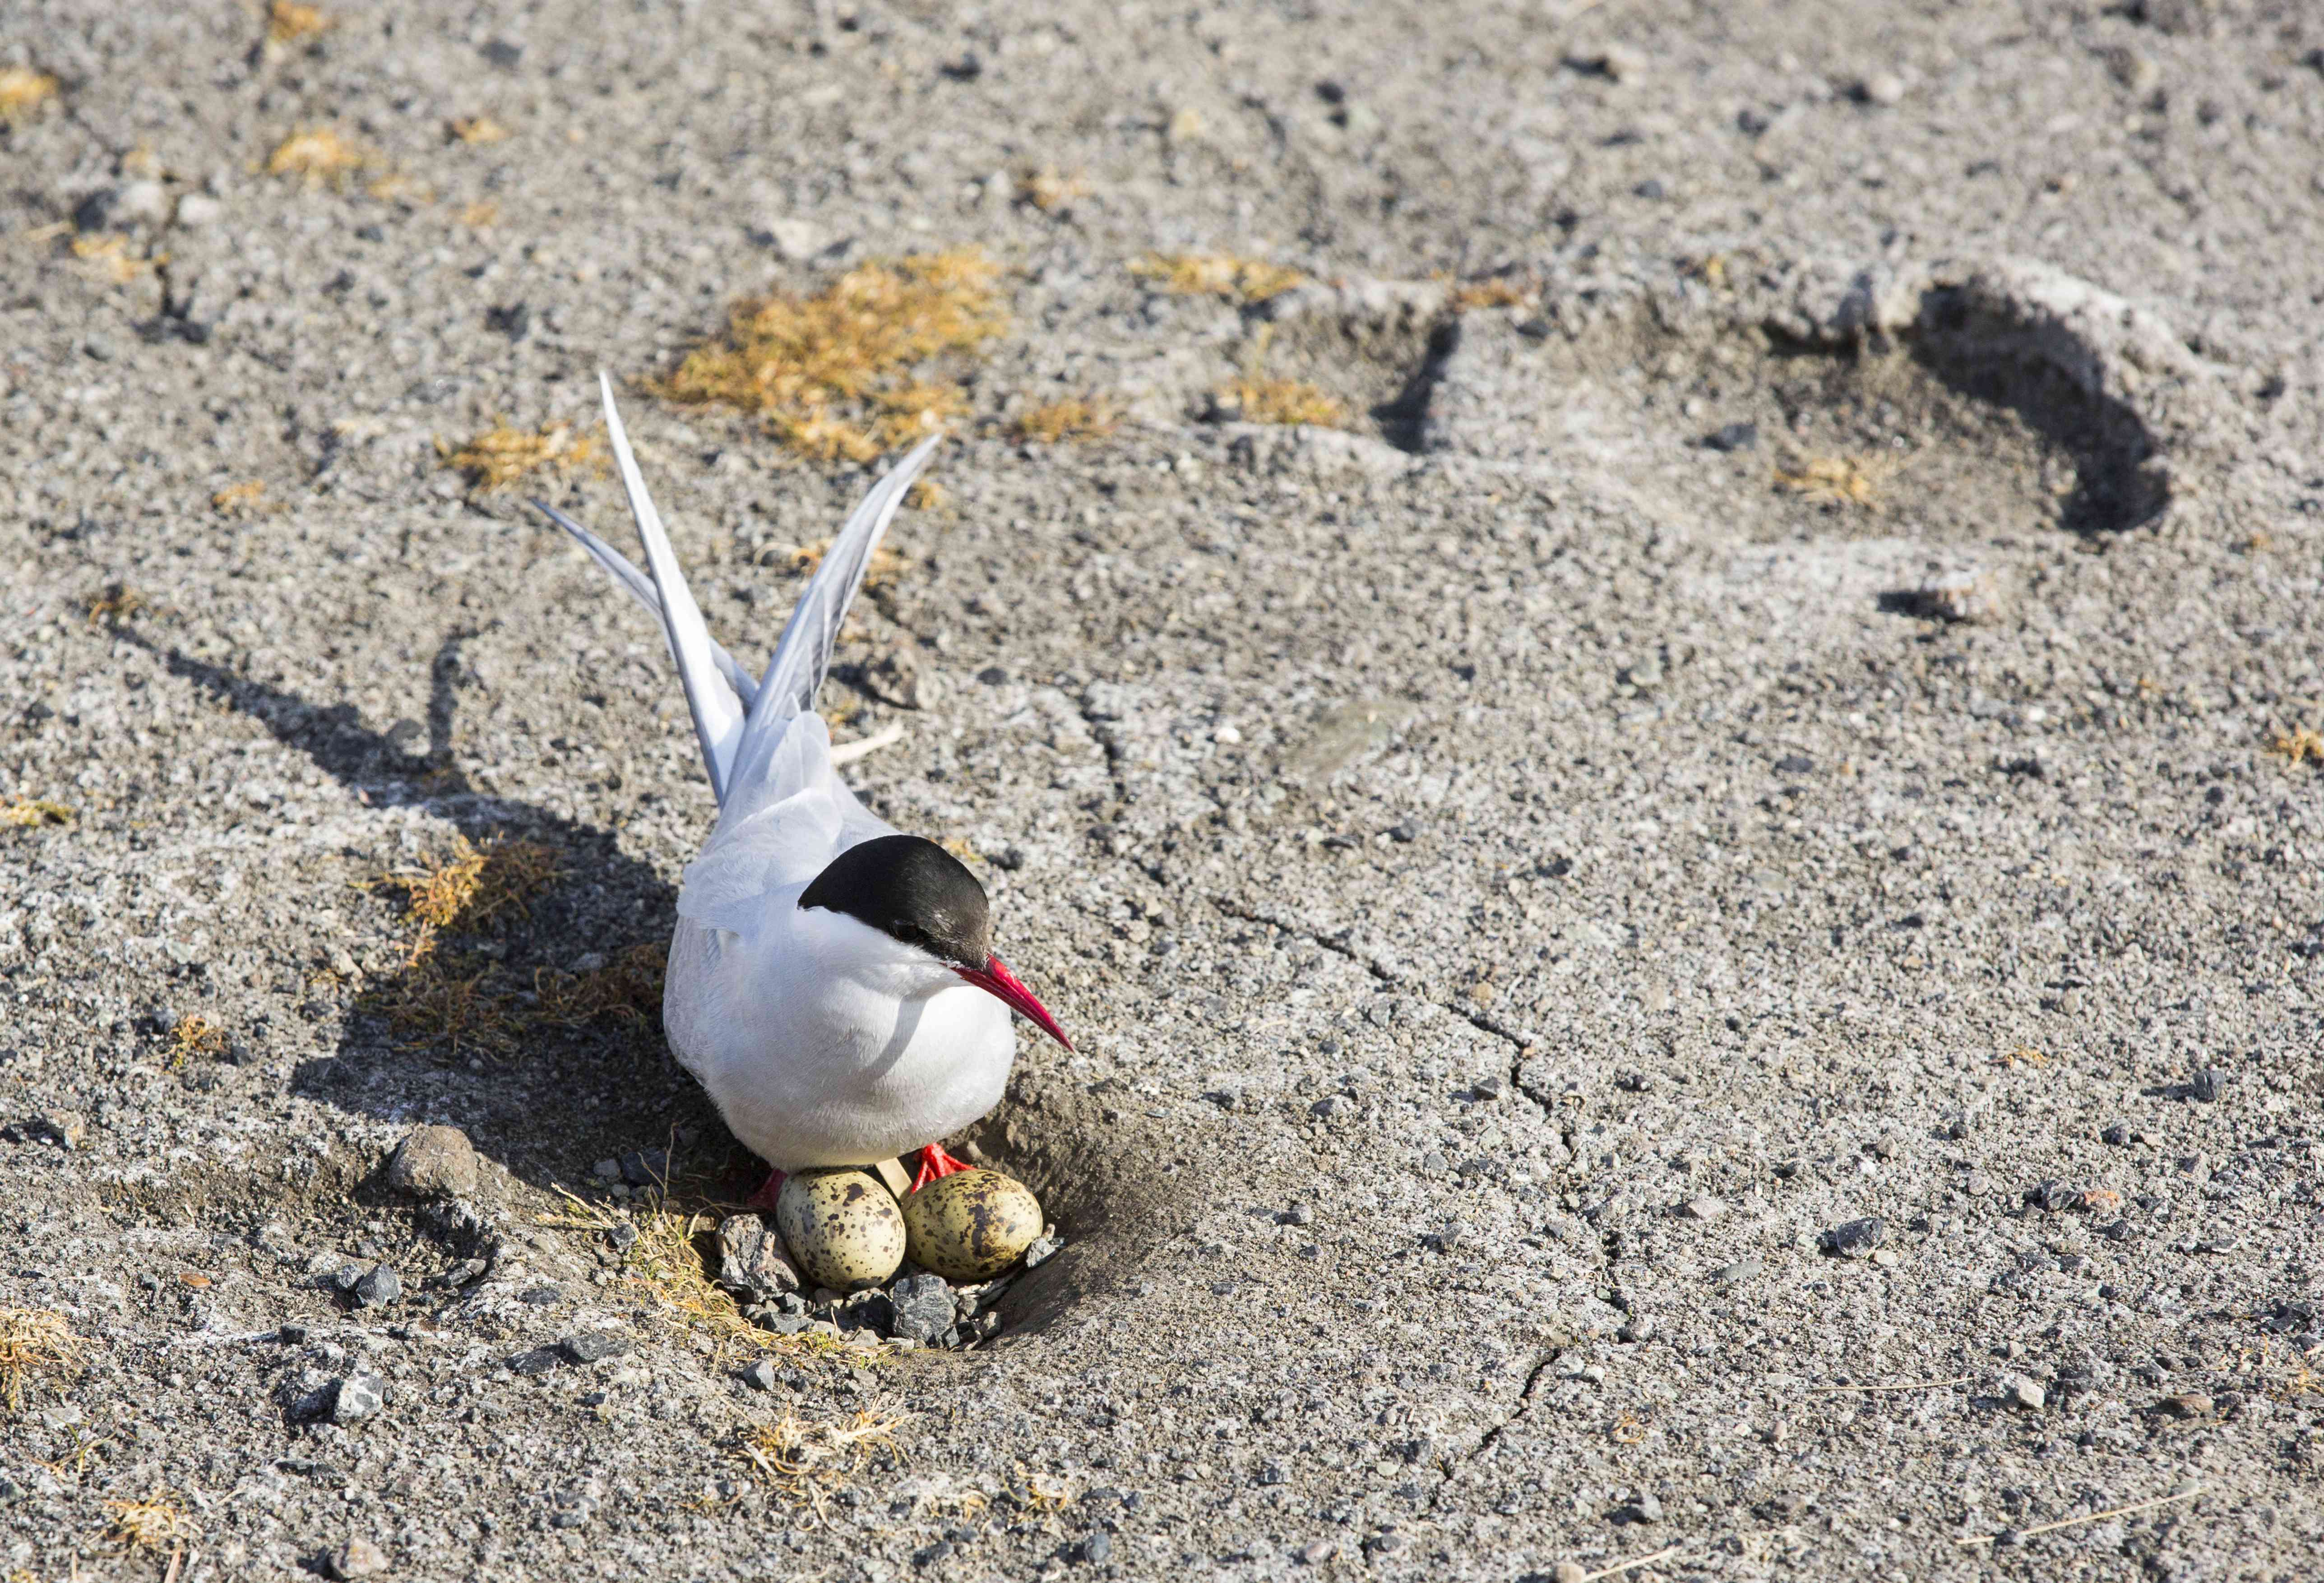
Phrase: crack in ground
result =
(1482, 1022)
(1106, 743)
(1450, 1468)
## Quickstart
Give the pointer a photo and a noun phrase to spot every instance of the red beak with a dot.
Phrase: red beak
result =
(995, 978)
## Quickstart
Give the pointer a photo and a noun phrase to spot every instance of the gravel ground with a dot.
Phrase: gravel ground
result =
(1695, 937)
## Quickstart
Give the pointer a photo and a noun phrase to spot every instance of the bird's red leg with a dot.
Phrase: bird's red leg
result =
(764, 1198)
(935, 1163)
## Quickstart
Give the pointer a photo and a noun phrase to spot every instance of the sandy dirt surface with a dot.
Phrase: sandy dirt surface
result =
(1693, 928)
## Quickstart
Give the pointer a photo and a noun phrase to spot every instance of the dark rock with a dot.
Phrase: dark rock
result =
(2206, 1085)
(378, 1286)
(539, 1360)
(759, 1375)
(514, 321)
(646, 1167)
(1795, 764)
(940, 1551)
(923, 1306)
(1043, 1249)
(434, 1162)
(593, 1346)
(542, 1296)
(2053, 1196)
(2119, 1135)
(1733, 437)
(1641, 1508)
(1404, 833)
(2184, 1405)
(1856, 1238)
(1097, 1549)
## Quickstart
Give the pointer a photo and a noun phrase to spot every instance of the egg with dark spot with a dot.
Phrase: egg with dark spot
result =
(972, 1225)
(842, 1227)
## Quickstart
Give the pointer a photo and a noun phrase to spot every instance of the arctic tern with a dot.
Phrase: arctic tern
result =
(832, 981)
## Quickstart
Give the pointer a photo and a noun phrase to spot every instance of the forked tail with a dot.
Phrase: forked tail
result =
(738, 724)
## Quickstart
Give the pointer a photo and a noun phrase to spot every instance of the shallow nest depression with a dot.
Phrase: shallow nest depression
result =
(842, 373)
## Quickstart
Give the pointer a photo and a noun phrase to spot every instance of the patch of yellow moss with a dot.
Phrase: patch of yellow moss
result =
(1069, 417)
(502, 456)
(288, 21)
(109, 257)
(23, 91)
(2301, 744)
(246, 499)
(317, 153)
(31, 813)
(838, 374)
(1216, 275)
(477, 129)
(1852, 479)
(1256, 398)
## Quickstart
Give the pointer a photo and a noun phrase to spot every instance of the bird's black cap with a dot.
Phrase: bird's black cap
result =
(910, 887)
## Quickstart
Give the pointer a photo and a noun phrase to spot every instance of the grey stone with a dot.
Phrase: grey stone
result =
(434, 1162)
(607, 1170)
(752, 1261)
(2024, 1392)
(593, 1346)
(1742, 1269)
(923, 1308)
(1299, 1215)
(2206, 1085)
(1096, 1550)
(760, 1375)
(2117, 1135)
(1705, 1208)
(1733, 437)
(1884, 88)
(377, 1286)
(1856, 1238)
(358, 1396)
(1043, 1248)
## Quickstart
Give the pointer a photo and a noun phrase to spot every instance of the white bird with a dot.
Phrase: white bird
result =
(831, 981)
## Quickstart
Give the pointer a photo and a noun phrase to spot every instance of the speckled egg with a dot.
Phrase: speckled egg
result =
(972, 1225)
(842, 1227)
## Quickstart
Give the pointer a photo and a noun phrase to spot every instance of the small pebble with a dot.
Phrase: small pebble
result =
(593, 1346)
(2135, 72)
(1733, 437)
(378, 1286)
(924, 1309)
(537, 1361)
(1705, 1208)
(1856, 1238)
(1299, 1215)
(2119, 1135)
(1644, 1508)
(1620, 62)
(1098, 1547)
(197, 209)
(2186, 1405)
(1883, 88)
(1964, 597)
(357, 1557)
(358, 1396)
(759, 1375)
(2206, 1085)
(1568, 1572)
(2025, 1394)
(1742, 1269)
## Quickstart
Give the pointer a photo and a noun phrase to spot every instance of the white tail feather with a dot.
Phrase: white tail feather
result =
(718, 718)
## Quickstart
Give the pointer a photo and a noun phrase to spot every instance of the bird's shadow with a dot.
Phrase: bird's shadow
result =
(510, 1029)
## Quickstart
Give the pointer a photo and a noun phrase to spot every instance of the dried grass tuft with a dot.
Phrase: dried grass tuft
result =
(886, 566)
(2300, 745)
(30, 812)
(476, 885)
(158, 1520)
(116, 603)
(481, 215)
(1048, 192)
(627, 989)
(32, 1341)
(246, 499)
(288, 21)
(23, 91)
(1070, 417)
(1493, 292)
(502, 456)
(1850, 480)
(1257, 399)
(807, 1460)
(195, 1036)
(833, 374)
(477, 129)
(109, 257)
(317, 153)
(1216, 275)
